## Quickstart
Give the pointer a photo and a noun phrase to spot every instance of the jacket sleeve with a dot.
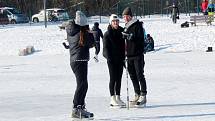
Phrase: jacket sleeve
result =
(139, 34)
(91, 41)
(72, 28)
(100, 33)
(106, 48)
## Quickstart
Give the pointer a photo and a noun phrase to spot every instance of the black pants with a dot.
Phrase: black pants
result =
(97, 47)
(115, 72)
(80, 70)
(136, 72)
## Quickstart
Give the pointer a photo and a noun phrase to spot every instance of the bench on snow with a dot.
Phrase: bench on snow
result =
(201, 19)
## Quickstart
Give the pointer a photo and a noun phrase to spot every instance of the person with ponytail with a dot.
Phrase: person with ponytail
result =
(80, 41)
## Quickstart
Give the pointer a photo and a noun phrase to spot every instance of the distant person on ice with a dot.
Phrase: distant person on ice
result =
(97, 33)
(80, 40)
(114, 52)
(204, 6)
(210, 8)
(135, 50)
(149, 43)
(175, 12)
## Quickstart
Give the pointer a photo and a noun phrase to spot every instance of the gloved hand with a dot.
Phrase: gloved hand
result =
(65, 45)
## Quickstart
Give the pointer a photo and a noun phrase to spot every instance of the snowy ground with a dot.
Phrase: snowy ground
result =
(40, 87)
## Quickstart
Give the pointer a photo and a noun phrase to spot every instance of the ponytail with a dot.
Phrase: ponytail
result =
(83, 31)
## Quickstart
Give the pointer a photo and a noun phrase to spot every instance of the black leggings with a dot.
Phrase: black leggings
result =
(115, 72)
(80, 70)
(97, 47)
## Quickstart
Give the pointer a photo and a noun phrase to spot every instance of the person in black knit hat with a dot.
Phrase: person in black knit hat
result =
(127, 11)
(135, 55)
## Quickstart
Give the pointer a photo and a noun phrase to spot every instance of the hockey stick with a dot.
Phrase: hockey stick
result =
(126, 67)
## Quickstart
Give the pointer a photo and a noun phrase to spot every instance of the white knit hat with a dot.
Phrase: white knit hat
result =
(113, 17)
(80, 19)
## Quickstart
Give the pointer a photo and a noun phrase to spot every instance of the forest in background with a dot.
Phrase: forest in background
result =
(104, 7)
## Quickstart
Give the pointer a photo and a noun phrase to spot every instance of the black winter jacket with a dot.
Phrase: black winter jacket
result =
(135, 46)
(114, 44)
(77, 52)
(97, 33)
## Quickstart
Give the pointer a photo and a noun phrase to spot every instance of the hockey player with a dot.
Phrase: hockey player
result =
(135, 50)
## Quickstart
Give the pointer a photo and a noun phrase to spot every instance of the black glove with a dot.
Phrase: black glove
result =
(65, 45)
(177, 17)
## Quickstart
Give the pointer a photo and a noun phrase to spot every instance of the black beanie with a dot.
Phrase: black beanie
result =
(96, 24)
(127, 11)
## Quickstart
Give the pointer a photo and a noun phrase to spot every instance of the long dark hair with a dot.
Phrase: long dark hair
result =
(83, 31)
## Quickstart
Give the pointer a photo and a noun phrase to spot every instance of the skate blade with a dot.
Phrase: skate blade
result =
(132, 106)
(140, 106)
(117, 107)
(132, 103)
(82, 119)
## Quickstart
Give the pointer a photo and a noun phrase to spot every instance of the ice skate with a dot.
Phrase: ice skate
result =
(114, 103)
(81, 113)
(141, 102)
(120, 102)
(134, 101)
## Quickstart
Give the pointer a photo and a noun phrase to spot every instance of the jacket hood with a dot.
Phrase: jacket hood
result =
(81, 19)
(73, 28)
(130, 23)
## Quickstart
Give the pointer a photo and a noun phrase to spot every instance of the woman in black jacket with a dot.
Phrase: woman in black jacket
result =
(80, 40)
(114, 52)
